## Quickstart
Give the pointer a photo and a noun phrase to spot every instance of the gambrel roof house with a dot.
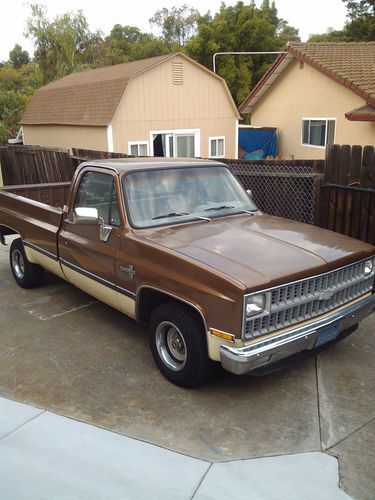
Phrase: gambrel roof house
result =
(164, 106)
(316, 94)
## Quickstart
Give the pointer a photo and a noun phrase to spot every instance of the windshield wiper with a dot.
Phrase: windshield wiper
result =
(251, 212)
(171, 214)
(221, 207)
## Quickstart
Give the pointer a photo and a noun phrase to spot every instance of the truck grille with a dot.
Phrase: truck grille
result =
(301, 300)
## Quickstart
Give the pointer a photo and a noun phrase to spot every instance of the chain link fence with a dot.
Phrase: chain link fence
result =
(285, 188)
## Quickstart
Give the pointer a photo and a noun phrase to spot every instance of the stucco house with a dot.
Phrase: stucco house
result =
(163, 106)
(317, 94)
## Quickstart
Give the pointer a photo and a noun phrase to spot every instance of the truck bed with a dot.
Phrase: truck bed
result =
(54, 194)
(35, 212)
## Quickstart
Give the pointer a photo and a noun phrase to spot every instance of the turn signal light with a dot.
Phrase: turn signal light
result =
(222, 335)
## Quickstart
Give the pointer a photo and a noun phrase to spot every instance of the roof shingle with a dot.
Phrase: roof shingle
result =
(364, 113)
(351, 64)
(87, 97)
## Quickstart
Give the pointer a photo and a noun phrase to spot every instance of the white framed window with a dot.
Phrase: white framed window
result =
(177, 143)
(138, 148)
(216, 147)
(318, 132)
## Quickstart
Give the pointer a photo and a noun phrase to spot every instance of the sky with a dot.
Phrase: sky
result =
(306, 15)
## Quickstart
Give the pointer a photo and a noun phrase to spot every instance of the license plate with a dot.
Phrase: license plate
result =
(327, 335)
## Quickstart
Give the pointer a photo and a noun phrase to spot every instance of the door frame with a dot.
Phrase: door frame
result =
(178, 131)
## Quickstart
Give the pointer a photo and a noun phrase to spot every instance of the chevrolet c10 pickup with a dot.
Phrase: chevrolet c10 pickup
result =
(180, 246)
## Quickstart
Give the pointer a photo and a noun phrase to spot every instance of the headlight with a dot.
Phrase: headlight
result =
(369, 266)
(255, 304)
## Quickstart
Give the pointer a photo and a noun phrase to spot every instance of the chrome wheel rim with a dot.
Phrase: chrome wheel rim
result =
(171, 346)
(18, 264)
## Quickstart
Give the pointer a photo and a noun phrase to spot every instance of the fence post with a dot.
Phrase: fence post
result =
(344, 165)
(331, 171)
(355, 165)
(368, 168)
(318, 169)
(343, 180)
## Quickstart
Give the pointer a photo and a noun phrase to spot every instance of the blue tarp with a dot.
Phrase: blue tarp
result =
(258, 143)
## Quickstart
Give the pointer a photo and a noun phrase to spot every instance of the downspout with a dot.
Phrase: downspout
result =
(236, 140)
(110, 138)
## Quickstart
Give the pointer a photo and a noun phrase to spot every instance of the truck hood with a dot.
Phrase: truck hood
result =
(261, 250)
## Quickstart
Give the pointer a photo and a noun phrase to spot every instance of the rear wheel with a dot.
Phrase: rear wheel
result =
(26, 274)
(178, 345)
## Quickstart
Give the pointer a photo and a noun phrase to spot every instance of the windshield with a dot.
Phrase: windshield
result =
(171, 196)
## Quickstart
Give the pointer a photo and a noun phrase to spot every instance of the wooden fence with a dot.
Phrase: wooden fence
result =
(90, 154)
(347, 199)
(338, 193)
(80, 155)
(34, 164)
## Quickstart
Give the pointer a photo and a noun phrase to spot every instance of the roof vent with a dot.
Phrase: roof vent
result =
(177, 73)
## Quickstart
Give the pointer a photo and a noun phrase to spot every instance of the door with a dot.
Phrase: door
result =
(89, 253)
(177, 143)
(185, 145)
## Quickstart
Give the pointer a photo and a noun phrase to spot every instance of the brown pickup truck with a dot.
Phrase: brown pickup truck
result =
(180, 246)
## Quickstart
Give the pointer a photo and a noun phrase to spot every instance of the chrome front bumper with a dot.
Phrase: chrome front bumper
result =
(265, 352)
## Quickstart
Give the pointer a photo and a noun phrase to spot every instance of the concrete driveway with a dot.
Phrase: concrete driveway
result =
(62, 351)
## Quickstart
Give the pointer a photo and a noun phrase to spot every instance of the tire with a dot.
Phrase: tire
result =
(26, 274)
(178, 345)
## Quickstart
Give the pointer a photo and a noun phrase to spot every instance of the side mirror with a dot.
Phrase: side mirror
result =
(86, 215)
(250, 195)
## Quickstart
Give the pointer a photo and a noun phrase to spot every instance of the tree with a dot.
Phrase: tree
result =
(16, 88)
(359, 28)
(286, 33)
(333, 36)
(177, 25)
(240, 28)
(360, 8)
(128, 43)
(63, 44)
(18, 57)
(148, 46)
(362, 20)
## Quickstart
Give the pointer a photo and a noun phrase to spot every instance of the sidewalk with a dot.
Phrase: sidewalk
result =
(45, 456)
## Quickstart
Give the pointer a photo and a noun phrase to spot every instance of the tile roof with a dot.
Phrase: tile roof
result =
(87, 97)
(364, 113)
(351, 64)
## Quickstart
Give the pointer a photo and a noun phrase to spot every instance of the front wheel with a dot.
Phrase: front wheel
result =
(26, 274)
(178, 345)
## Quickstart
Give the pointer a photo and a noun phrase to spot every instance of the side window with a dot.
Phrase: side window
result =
(217, 147)
(318, 132)
(138, 148)
(99, 191)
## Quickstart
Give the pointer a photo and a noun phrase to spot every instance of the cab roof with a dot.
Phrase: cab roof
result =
(123, 165)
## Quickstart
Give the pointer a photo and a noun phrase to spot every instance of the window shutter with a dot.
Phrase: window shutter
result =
(177, 73)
